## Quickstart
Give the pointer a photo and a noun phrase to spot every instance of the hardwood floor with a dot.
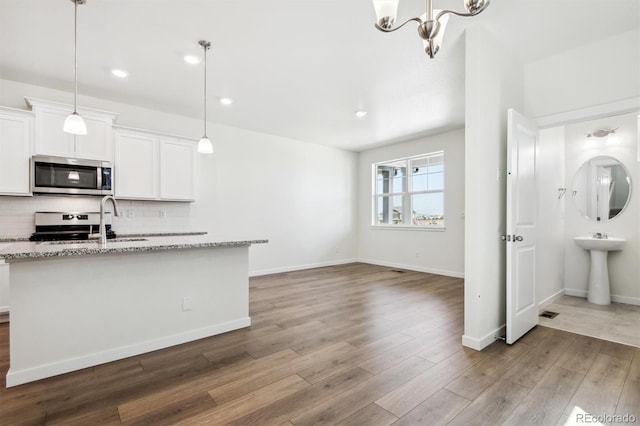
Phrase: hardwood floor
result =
(347, 345)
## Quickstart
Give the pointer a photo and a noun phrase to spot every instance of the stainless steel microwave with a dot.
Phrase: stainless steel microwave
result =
(70, 176)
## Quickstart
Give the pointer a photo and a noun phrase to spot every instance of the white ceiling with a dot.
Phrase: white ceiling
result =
(295, 68)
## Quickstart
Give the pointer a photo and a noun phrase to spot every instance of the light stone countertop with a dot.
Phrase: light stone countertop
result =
(13, 250)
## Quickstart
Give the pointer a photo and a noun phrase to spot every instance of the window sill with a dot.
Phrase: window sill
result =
(409, 228)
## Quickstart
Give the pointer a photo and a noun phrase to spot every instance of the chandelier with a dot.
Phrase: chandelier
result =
(431, 25)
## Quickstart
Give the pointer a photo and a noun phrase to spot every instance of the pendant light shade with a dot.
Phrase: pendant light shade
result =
(74, 123)
(204, 145)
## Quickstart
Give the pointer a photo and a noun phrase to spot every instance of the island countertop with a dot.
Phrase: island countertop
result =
(13, 250)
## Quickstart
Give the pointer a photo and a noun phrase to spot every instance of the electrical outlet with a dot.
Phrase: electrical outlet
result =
(131, 214)
(187, 303)
(162, 214)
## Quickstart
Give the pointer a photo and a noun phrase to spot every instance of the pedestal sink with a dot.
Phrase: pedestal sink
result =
(598, 290)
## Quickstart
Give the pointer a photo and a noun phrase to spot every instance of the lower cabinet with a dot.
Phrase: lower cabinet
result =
(4, 292)
(153, 166)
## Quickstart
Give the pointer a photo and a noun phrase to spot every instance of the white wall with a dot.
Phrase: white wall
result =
(624, 265)
(300, 196)
(435, 251)
(593, 74)
(494, 83)
(550, 164)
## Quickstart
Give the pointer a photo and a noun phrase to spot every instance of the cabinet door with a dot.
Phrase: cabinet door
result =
(136, 165)
(4, 287)
(50, 138)
(177, 162)
(96, 144)
(15, 149)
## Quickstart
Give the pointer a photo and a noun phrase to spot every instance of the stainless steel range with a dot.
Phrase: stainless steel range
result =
(54, 226)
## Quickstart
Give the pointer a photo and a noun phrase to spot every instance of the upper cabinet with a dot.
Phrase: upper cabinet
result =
(50, 139)
(16, 137)
(177, 168)
(153, 166)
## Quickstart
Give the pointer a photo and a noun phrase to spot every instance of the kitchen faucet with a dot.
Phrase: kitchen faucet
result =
(116, 212)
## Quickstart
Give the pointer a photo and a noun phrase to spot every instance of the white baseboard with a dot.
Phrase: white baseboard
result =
(625, 299)
(444, 272)
(549, 300)
(30, 374)
(575, 292)
(270, 271)
(614, 297)
(486, 340)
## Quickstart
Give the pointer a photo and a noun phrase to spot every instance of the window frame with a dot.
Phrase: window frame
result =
(406, 194)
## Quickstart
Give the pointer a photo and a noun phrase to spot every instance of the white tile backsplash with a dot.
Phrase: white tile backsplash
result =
(17, 214)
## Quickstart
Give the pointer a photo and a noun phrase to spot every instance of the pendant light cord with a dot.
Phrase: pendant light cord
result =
(204, 46)
(75, 57)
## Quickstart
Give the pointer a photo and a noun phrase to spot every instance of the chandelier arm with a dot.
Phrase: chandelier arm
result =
(445, 11)
(390, 30)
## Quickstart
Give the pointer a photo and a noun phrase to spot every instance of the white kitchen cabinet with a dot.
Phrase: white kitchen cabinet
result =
(177, 165)
(16, 136)
(136, 165)
(4, 290)
(50, 139)
(153, 166)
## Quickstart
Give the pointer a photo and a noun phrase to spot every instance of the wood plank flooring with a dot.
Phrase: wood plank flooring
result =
(354, 344)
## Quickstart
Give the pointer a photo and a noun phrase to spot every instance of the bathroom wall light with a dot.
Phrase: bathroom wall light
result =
(226, 101)
(601, 133)
(609, 134)
(360, 114)
(431, 25)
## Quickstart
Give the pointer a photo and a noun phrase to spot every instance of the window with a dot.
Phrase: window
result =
(409, 192)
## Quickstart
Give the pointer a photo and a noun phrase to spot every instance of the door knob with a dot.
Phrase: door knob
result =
(517, 238)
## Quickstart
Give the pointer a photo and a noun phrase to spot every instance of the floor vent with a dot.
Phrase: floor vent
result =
(548, 314)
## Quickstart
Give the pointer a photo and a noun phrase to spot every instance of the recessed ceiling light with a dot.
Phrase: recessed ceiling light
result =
(193, 60)
(361, 113)
(226, 101)
(119, 73)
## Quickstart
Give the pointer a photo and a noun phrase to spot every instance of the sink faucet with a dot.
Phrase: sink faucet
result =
(116, 212)
(600, 235)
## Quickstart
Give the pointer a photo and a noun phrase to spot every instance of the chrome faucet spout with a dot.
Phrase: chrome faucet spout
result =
(116, 212)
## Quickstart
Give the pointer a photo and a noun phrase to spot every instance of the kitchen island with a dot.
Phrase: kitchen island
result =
(76, 305)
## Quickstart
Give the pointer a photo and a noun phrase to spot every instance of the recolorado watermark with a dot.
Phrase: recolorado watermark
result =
(605, 418)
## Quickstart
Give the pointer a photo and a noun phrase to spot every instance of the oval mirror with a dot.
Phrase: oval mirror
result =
(601, 188)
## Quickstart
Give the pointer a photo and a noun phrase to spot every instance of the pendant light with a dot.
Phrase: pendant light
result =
(204, 145)
(74, 123)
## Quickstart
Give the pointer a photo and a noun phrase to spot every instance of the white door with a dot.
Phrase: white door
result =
(522, 309)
